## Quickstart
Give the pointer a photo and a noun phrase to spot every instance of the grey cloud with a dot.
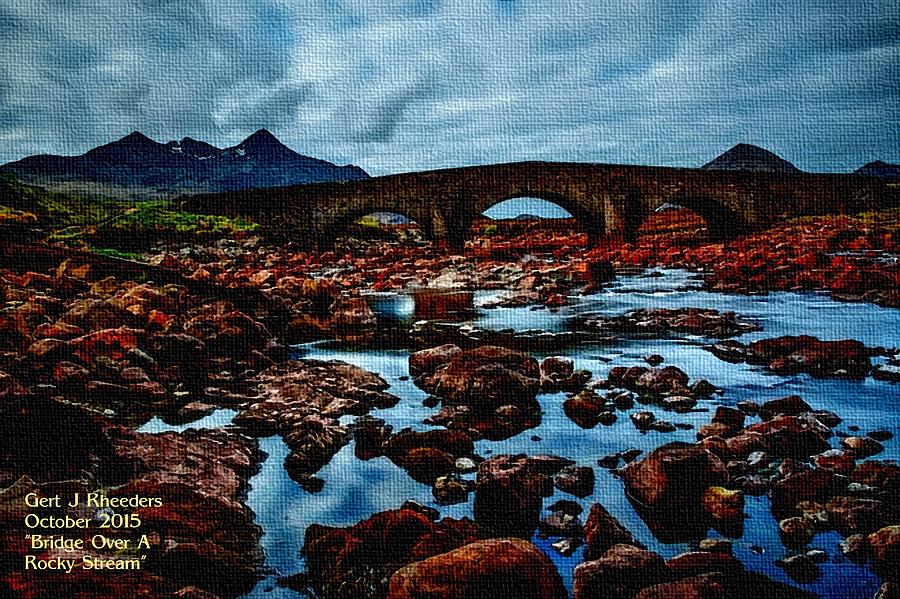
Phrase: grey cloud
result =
(409, 84)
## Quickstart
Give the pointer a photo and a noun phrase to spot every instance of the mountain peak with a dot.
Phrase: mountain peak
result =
(134, 138)
(747, 157)
(262, 144)
(879, 168)
(263, 136)
(135, 146)
(136, 135)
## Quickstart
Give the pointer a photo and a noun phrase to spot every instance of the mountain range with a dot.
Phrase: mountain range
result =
(137, 166)
(747, 157)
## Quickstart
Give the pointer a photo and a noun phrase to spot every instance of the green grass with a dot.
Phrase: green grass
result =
(369, 221)
(114, 253)
(111, 224)
(162, 216)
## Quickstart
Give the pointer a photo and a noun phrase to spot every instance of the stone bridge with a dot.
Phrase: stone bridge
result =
(607, 200)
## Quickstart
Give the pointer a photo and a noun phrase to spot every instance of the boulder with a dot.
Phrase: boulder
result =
(585, 409)
(792, 405)
(673, 477)
(369, 552)
(427, 361)
(796, 532)
(862, 447)
(485, 378)
(621, 572)
(885, 547)
(720, 585)
(575, 480)
(817, 484)
(662, 381)
(428, 455)
(353, 321)
(509, 493)
(602, 531)
(495, 568)
(723, 505)
(852, 515)
(451, 489)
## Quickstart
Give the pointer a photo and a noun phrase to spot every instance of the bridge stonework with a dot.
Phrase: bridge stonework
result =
(607, 200)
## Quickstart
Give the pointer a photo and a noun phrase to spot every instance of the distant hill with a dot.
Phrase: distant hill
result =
(879, 168)
(138, 166)
(746, 157)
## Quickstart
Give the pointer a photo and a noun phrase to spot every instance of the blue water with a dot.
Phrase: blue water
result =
(355, 489)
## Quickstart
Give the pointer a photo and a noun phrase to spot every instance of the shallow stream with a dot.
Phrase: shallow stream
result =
(356, 489)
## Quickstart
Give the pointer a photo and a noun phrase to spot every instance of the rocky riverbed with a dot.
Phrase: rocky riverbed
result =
(581, 425)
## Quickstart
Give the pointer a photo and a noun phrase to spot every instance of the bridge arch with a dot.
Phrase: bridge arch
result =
(587, 216)
(721, 221)
(339, 223)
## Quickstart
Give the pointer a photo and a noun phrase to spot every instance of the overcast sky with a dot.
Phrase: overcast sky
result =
(399, 85)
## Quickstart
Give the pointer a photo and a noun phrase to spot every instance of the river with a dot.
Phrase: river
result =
(356, 489)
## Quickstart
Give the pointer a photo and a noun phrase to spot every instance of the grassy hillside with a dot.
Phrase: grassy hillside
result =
(105, 224)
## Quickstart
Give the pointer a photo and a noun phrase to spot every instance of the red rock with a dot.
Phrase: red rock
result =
(495, 568)
(791, 405)
(67, 374)
(837, 460)
(817, 484)
(485, 378)
(585, 409)
(673, 476)
(791, 436)
(851, 515)
(575, 480)
(796, 532)
(226, 331)
(883, 475)
(602, 532)
(723, 505)
(622, 571)
(719, 585)
(382, 543)
(426, 361)
(730, 417)
(885, 547)
(58, 330)
(454, 443)
(112, 343)
(862, 447)
(353, 320)
(746, 443)
(49, 350)
(662, 381)
(369, 434)
(97, 315)
(509, 495)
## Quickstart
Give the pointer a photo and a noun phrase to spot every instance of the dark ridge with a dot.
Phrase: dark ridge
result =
(137, 166)
(750, 158)
(880, 169)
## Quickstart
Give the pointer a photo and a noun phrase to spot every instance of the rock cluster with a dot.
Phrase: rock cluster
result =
(803, 353)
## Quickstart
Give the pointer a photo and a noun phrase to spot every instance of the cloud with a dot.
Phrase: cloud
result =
(412, 84)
